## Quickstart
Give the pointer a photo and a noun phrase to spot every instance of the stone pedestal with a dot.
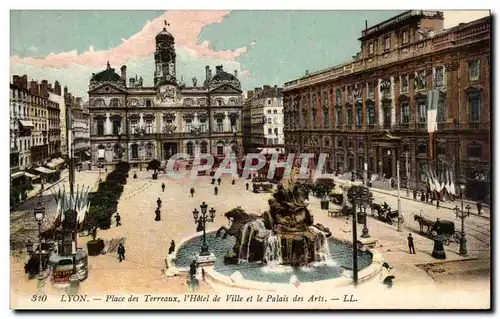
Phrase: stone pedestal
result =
(170, 270)
(368, 242)
(74, 284)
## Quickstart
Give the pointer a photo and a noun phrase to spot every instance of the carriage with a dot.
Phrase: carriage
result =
(442, 227)
(385, 213)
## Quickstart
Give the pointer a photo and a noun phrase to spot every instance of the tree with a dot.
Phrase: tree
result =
(154, 165)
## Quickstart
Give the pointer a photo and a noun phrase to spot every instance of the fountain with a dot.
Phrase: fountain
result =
(283, 245)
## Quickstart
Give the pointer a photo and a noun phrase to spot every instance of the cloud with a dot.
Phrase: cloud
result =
(185, 26)
(453, 18)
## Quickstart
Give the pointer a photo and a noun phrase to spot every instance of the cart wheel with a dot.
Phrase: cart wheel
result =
(389, 221)
(457, 235)
(446, 241)
(401, 219)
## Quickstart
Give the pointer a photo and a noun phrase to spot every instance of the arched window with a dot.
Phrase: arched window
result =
(133, 103)
(99, 103)
(232, 102)
(135, 151)
(190, 148)
(115, 102)
(188, 102)
(150, 150)
(204, 147)
(219, 102)
(220, 148)
(149, 103)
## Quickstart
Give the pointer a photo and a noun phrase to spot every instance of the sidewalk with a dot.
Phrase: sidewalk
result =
(449, 205)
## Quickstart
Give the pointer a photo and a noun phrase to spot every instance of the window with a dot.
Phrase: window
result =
(220, 148)
(135, 151)
(133, 103)
(405, 37)
(220, 127)
(188, 102)
(268, 111)
(338, 120)
(441, 111)
(326, 118)
(421, 149)
(269, 131)
(219, 102)
(474, 108)
(99, 102)
(439, 77)
(232, 102)
(275, 111)
(313, 116)
(204, 147)
(100, 127)
(474, 70)
(115, 102)
(148, 103)
(275, 120)
(276, 132)
(189, 125)
(386, 110)
(150, 151)
(149, 126)
(370, 49)
(404, 83)
(268, 101)
(190, 148)
(327, 142)
(134, 127)
(422, 112)
(116, 127)
(349, 115)
(405, 113)
(340, 143)
(387, 43)
(269, 120)
(474, 151)
(202, 102)
(359, 115)
(203, 125)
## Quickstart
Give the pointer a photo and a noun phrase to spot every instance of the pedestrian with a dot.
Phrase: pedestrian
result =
(479, 207)
(163, 187)
(192, 191)
(118, 219)
(415, 194)
(172, 247)
(158, 214)
(218, 181)
(392, 183)
(121, 252)
(213, 181)
(216, 190)
(410, 244)
(427, 197)
(203, 274)
(246, 185)
(158, 202)
(233, 182)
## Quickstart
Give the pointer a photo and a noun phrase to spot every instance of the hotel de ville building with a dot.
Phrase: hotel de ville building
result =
(373, 111)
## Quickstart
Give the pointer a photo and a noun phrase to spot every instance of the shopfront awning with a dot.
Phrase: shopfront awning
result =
(58, 161)
(51, 165)
(44, 170)
(87, 153)
(26, 123)
(16, 175)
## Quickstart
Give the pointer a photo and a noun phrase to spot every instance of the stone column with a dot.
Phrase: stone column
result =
(107, 126)
(379, 161)
(395, 157)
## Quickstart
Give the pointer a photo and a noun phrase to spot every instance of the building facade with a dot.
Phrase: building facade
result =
(374, 111)
(80, 125)
(20, 128)
(265, 110)
(135, 123)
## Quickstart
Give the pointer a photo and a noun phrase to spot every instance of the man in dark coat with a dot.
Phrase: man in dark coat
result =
(118, 219)
(158, 214)
(218, 181)
(158, 202)
(172, 247)
(410, 244)
(192, 191)
(415, 194)
(246, 185)
(163, 187)
(121, 252)
(216, 190)
(233, 182)
(479, 207)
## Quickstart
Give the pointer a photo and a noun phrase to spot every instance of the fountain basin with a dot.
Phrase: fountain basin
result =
(336, 270)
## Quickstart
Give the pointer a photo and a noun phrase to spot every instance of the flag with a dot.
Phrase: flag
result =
(432, 101)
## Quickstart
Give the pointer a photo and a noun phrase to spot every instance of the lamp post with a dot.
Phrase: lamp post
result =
(399, 195)
(359, 196)
(365, 233)
(202, 221)
(39, 214)
(462, 215)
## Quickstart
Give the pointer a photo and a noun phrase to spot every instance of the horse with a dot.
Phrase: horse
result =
(422, 221)
(239, 218)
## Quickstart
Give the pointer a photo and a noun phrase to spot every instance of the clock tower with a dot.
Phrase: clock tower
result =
(165, 59)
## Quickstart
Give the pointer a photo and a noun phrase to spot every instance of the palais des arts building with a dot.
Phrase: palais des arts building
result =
(374, 108)
(137, 124)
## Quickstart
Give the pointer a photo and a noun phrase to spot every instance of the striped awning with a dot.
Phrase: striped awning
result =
(31, 175)
(26, 123)
(16, 175)
(44, 170)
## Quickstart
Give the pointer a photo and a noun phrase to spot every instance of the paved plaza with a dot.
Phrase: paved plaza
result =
(147, 241)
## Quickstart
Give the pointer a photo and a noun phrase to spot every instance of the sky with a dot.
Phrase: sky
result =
(266, 47)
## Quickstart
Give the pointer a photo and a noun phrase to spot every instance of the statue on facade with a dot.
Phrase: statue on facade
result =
(195, 81)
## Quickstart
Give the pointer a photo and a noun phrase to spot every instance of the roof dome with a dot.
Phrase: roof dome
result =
(222, 77)
(106, 75)
(164, 34)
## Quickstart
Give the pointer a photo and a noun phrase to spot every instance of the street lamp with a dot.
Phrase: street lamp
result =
(365, 233)
(39, 214)
(359, 195)
(202, 220)
(399, 196)
(462, 215)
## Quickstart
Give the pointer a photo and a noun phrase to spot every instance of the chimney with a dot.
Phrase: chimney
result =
(275, 89)
(236, 73)
(65, 92)
(207, 73)
(16, 80)
(34, 87)
(366, 24)
(258, 92)
(124, 73)
(267, 88)
(131, 82)
(249, 94)
(57, 88)
(50, 88)
(44, 88)
(218, 69)
(24, 82)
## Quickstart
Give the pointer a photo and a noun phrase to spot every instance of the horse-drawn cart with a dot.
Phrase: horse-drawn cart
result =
(438, 227)
(385, 213)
